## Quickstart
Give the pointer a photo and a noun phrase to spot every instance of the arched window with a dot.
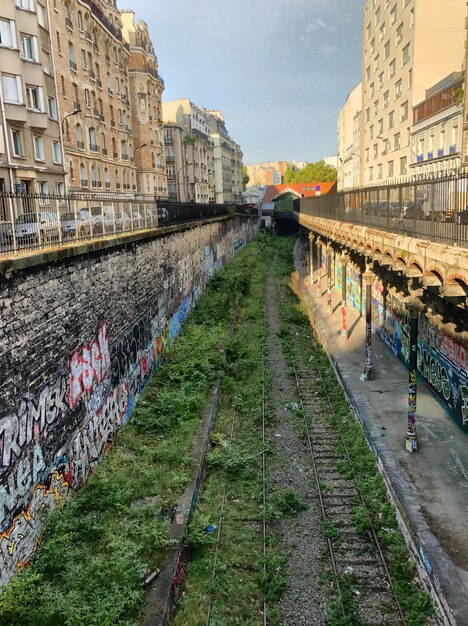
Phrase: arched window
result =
(83, 176)
(94, 175)
(117, 179)
(106, 178)
(103, 144)
(79, 136)
(92, 140)
(80, 20)
(71, 169)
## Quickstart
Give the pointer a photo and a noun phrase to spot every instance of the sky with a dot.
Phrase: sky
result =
(279, 70)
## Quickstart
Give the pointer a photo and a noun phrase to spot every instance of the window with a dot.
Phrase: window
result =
(376, 150)
(376, 63)
(28, 47)
(392, 68)
(25, 4)
(379, 170)
(399, 35)
(381, 80)
(404, 111)
(368, 114)
(367, 154)
(382, 31)
(52, 108)
(390, 169)
(43, 187)
(34, 98)
(411, 19)
(84, 59)
(376, 107)
(42, 16)
(7, 34)
(398, 89)
(371, 132)
(92, 140)
(410, 79)
(368, 74)
(60, 189)
(371, 90)
(59, 44)
(403, 165)
(83, 177)
(71, 55)
(393, 15)
(406, 54)
(397, 141)
(372, 46)
(38, 148)
(371, 173)
(387, 50)
(56, 152)
(80, 20)
(391, 119)
(12, 89)
(17, 143)
(380, 126)
(377, 16)
(386, 99)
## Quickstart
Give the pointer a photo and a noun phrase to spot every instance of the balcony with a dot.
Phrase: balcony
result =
(99, 83)
(95, 112)
(96, 48)
(68, 23)
(115, 155)
(94, 183)
(73, 65)
(110, 91)
(94, 147)
(107, 184)
(88, 35)
(124, 156)
(92, 75)
(107, 57)
(104, 151)
(84, 182)
(80, 145)
(96, 11)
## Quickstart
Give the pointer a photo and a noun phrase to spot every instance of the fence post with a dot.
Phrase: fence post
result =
(368, 369)
(59, 218)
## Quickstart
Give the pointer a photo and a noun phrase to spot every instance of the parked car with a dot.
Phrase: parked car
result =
(78, 224)
(35, 227)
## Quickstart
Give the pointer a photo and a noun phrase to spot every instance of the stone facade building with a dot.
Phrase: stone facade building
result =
(199, 149)
(31, 158)
(176, 163)
(92, 66)
(227, 161)
(145, 88)
(349, 141)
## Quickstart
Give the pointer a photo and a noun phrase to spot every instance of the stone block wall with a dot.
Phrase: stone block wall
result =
(79, 340)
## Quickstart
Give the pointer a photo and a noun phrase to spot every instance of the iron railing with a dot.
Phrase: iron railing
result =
(434, 209)
(30, 222)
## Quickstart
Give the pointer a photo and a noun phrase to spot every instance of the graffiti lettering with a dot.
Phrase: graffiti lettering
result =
(92, 365)
(32, 420)
(436, 374)
(464, 408)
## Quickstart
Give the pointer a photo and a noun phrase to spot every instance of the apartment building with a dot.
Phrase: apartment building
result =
(31, 159)
(145, 90)
(408, 45)
(176, 163)
(348, 169)
(92, 68)
(227, 161)
(436, 134)
(271, 172)
(199, 149)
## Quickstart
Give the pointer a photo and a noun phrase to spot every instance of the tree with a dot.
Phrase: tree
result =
(245, 177)
(312, 172)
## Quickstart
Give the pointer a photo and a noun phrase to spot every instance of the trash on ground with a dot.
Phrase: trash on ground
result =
(210, 529)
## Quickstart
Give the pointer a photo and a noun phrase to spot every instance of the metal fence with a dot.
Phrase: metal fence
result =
(33, 222)
(431, 209)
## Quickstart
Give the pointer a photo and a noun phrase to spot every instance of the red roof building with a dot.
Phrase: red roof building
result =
(301, 190)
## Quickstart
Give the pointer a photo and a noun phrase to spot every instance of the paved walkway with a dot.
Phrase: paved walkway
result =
(432, 484)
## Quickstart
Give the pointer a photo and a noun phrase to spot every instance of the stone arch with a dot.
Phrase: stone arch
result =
(399, 264)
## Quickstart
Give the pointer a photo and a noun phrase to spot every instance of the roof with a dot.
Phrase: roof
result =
(301, 190)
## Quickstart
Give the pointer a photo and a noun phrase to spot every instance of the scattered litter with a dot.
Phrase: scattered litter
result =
(149, 579)
(277, 435)
(356, 592)
(362, 377)
(387, 530)
(236, 501)
(210, 529)
(348, 570)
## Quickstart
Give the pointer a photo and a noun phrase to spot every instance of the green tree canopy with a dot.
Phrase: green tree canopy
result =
(245, 177)
(312, 172)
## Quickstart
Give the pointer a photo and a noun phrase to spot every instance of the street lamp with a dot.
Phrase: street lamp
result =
(75, 112)
(177, 178)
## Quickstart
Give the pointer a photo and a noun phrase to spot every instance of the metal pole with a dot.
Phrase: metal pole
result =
(319, 267)
(311, 259)
(411, 436)
(329, 291)
(368, 369)
(344, 326)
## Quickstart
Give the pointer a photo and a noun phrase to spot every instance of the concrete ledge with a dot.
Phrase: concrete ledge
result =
(9, 265)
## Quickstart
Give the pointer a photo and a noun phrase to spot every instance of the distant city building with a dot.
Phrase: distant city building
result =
(348, 160)
(176, 164)
(227, 161)
(332, 161)
(253, 196)
(31, 155)
(437, 130)
(271, 172)
(198, 147)
(407, 47)
(145, 90)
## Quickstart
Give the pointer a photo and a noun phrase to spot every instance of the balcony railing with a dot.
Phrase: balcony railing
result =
(96, 11)
(434, 209)
(440, 152)
(73, 65)
(69, 23)
(94, 147)
(430, 155)
(453, 149)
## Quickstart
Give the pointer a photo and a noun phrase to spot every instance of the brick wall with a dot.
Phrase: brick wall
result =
(79, 340)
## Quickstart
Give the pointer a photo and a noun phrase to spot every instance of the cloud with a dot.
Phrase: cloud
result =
(318, 24)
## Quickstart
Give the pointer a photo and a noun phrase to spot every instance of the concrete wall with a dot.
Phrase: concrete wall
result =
(79, 341)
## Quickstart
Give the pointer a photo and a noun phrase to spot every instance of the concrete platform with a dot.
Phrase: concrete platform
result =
(431, 485)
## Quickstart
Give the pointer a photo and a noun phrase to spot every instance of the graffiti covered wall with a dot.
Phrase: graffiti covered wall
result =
(79, 341)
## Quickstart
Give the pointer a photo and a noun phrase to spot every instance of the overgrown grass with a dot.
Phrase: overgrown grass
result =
(98, 548)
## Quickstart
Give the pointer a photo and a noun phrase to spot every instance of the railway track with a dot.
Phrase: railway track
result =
(364, 588)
